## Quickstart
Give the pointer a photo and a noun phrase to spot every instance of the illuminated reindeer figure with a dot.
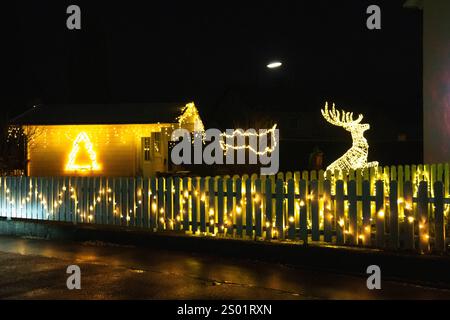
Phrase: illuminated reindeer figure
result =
(356, 157)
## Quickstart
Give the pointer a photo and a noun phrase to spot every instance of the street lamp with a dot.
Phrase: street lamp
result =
(274, 65)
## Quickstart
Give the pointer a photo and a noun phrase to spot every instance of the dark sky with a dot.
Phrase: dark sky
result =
(160, 51)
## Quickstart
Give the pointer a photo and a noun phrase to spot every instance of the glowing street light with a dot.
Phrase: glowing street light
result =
(274, 65)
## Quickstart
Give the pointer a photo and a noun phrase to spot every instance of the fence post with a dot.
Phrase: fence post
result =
(367, 215)
(186, 222)
(249, 208)
(124, 196)
(202, 196)
(258, 203)
(131, 221)
(117, 199)
(23, 195)
(447, 179)
(176, 203)
(424, 228)
(40, 210)
(279, 201)
(153, 205)
(439, 217)
(146, 201)
(393, 215)
(74, 182)
(169, 204)
(220, 205)
(352, 212)
(327, 211)
(239, 207)
(268, 209)
(380, 213)
(340, 217)
(409, 215)
(315, 222)
(303, 213)
(194, 204)
(96, 211)
(229, 213)
(161, 212)
(291, 208)
(11, 195)
(212, 213)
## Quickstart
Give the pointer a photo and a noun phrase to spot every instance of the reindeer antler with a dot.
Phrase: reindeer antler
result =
(333, 116)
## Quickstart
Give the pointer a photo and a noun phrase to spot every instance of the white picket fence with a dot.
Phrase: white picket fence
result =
(361, 208)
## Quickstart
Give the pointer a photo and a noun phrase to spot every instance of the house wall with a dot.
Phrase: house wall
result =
(118, 150)
(436, 81)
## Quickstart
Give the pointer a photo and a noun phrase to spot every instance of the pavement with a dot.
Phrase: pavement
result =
(36, 269)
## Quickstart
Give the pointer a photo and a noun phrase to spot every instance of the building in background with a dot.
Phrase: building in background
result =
(436, 78)
(101, 140)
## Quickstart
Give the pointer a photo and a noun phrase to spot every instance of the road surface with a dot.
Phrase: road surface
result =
(36, 269)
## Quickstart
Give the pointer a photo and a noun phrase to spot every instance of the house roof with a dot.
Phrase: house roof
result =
(101, 114)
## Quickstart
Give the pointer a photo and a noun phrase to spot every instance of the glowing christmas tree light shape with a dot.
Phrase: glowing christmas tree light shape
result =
(356, 157)
(190, 115)
(71, 165)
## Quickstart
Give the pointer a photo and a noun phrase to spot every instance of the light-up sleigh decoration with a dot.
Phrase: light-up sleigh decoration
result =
(356, 157)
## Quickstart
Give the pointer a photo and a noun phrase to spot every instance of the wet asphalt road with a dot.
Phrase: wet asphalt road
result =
(36, 269)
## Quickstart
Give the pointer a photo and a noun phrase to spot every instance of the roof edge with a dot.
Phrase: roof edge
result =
(414, 4)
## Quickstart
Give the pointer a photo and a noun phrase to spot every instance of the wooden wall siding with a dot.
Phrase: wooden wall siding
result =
(118, 149)
(400, 208)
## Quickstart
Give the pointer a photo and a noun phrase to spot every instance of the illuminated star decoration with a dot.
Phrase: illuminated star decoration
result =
(71, 166)
(356, 157)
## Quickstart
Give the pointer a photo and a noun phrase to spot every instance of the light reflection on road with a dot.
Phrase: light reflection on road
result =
(150, 273)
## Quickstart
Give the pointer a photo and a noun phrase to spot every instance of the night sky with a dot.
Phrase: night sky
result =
(163, 51)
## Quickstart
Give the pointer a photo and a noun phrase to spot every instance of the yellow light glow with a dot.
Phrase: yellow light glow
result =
(71, 165)
(274, 65)
(381, 214)
(190, 116)
(241, 133)
(411, 219)
(356, 157)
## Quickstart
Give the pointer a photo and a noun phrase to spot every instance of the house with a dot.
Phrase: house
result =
(102, 140)
(436, 78)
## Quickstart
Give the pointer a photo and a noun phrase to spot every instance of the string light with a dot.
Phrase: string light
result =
(239, 132)
(190, 116)
(356, 157)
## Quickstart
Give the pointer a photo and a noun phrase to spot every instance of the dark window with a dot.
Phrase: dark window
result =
(147, 145)
(157, 142)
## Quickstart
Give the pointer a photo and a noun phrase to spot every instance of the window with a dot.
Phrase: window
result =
(146, 145)
(157, 142)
